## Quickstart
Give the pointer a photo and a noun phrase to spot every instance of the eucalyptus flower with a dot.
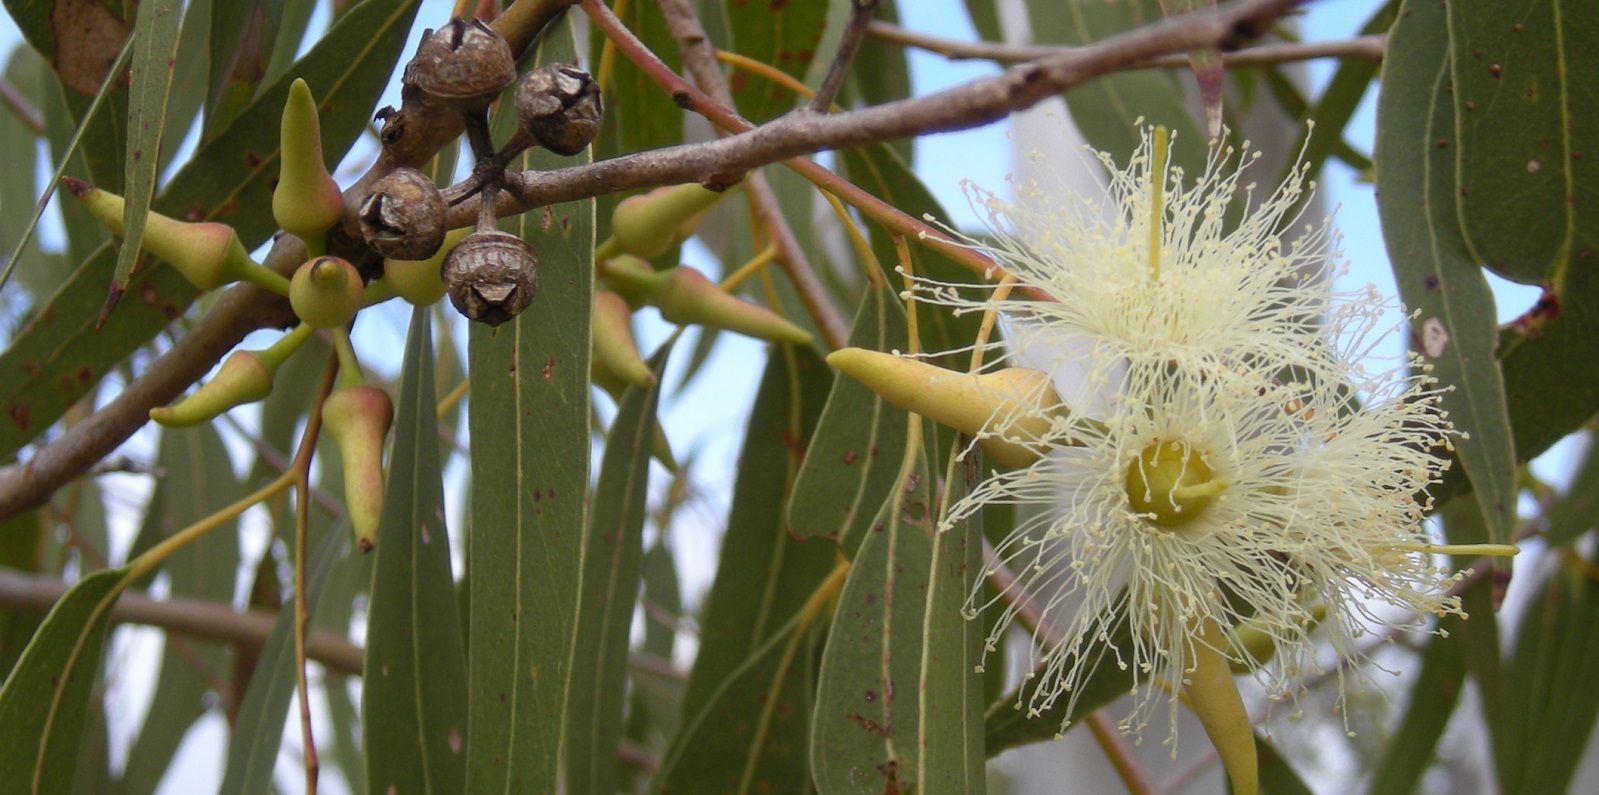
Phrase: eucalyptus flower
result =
(1223, 447)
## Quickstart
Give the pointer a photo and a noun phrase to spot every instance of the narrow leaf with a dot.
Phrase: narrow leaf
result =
(253, 747)
(44, 701)
(852, 465)
(529, 422)
(612, 558)
(1436, 274)
(155, 53)
(898, 640)
(414, 685)
(1433, 698)
(745, 710)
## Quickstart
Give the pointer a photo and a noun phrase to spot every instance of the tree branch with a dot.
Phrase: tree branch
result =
(194, 617)
(700, 58)
(969, 105)
(860, 15)
(415, 131)
(1366, 48)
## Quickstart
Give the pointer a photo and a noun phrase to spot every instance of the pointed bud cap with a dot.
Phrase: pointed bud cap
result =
(358, 419)
(306, 202)
(420, 281)
(648, 225)
(326, 292)
(404, 216)
(689, 297)
(464, 65)
(614, 347)
(1003, 409)
(244, 377)
(491, 276)
(208, 254)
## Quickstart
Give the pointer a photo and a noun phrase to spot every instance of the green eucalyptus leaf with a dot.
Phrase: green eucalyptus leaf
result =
(414, 684)
(529, 424)
(612, 558)
(1437, 276)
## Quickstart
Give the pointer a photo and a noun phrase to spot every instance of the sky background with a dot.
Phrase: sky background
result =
(708, 417)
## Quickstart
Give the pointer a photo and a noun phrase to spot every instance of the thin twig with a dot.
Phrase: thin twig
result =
(21, 107)
(197, 618)
(860, 14)
(1365, 48)
(700, 59)
(302, 604)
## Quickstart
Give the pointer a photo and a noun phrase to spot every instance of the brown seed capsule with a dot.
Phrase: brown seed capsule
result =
(404, 217)
(559, 105)
(464, 65)
(491, 276)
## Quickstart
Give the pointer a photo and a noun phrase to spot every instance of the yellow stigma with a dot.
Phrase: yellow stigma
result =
(1170, 484)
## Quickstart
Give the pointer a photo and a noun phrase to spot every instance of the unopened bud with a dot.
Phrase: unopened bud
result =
(559, 105)
(689, 297)
(208, 254)
(243, 378)
(326, 292)
(464, 65)
(632, 278)
(405, 215)
(1253, 647)
(491, 276)
(648, 225)
(1003, 409)
(306, 202)
(419, 281)
(614, 347)
(358, 418)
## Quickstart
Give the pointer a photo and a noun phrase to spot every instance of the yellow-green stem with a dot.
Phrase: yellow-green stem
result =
(1157, 198)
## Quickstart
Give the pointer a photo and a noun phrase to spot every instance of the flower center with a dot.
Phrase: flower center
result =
(1170, 484)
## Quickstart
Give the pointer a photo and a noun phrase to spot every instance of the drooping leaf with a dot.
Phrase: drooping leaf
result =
(199, 482)
(612, 559)
(155, 52)
(744, 720)
(44, 701)
(253, 746)
(899, 700)
(1525, 116)
(58, 356)
(1436, 274)
(782, 34)
(851, 466)
(1549, 684)
(529, 423)
(1577, 511)
(1433, 698)
(414, 683)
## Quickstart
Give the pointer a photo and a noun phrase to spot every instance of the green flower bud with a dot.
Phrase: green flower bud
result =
(208, 254)
(614, 348)
(648, 225)
(326, 292)
(419, 281)
(688, 297)
(243, 378)
(602, 377)
(306, 202)
(358, 419)
(632, 278)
